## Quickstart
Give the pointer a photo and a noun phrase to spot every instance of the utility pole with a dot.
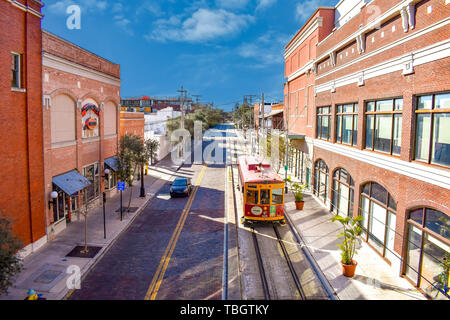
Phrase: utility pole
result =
(183, 92)
(196, 96)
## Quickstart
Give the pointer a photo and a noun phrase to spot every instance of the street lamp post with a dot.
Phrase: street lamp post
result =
(104, 203)
(142, 195)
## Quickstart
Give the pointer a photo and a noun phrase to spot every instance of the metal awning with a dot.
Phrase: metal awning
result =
(71, 182)
(296, 137)
(273, 113)
(113, 163)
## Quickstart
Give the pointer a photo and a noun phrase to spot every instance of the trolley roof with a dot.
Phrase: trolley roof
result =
(257, 170)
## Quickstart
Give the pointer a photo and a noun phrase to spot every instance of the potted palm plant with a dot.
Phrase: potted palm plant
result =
(352, 231)
(297, 190)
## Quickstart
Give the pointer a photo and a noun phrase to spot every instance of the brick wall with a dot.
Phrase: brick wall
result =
(99, 85)
(132, 123)
(69, 51)
(21, 183)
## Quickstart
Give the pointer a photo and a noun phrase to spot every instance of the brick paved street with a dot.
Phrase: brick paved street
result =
(194, 270)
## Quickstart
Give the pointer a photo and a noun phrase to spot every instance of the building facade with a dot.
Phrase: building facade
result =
(378, 138)
(81, 96)
(151, 104)
(156, 129)
(132, 123)
(22, 165)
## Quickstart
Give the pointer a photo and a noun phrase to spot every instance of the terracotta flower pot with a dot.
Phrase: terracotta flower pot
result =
(348, 270)
(299, 205)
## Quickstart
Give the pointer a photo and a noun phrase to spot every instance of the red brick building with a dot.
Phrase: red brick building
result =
(22, 165)
(81, 128)
(372, 104)
(132, 123)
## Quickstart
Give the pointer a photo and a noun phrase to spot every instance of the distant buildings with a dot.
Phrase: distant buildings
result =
(148, 104)
(155, 128)
(367, 108)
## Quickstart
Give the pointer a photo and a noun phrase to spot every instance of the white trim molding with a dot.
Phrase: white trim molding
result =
(431, 175)
(25, 8)
(409, 37)
(55, 62)
(404, 63)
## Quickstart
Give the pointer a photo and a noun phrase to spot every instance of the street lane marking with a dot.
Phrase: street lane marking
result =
(162, 267)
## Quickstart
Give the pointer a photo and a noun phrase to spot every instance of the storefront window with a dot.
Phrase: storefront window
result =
(379, 218)
(342, 193)
(91, 173)
(321, 180)
(428, 247)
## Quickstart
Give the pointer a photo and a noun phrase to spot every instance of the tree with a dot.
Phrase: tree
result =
(10, 264)
(152, 147)
(134, 153)
(207, 115)
(244, 115)
(130, 156)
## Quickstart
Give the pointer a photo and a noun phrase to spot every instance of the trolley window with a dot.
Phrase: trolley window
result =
(277, 196)
(252, 196)
(265, 196)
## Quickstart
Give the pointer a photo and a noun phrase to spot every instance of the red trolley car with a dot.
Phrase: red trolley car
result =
(262, 189)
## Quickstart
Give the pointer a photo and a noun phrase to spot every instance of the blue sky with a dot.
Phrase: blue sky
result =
(219, 49)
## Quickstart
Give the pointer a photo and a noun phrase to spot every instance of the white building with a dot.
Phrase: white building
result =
(155, 129)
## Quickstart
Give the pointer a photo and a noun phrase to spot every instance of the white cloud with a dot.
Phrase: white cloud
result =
(60, 7)
(264, 4)
(203, 25)
(305, 9)
(265, 50)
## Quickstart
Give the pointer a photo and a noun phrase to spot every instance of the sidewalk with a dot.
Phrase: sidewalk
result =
(374, 279)
(45, 270)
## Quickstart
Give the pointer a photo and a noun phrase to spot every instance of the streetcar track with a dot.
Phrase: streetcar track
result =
(290, 265)
(259, 257)
(262, 272)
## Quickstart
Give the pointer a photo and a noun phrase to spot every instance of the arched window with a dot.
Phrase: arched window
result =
(62, 119)
(378, 210)
(343, 185)
(321, 180)
(428, 244)
(110, 119)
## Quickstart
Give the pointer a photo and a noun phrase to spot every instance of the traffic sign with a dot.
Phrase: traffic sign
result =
(120, 185)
